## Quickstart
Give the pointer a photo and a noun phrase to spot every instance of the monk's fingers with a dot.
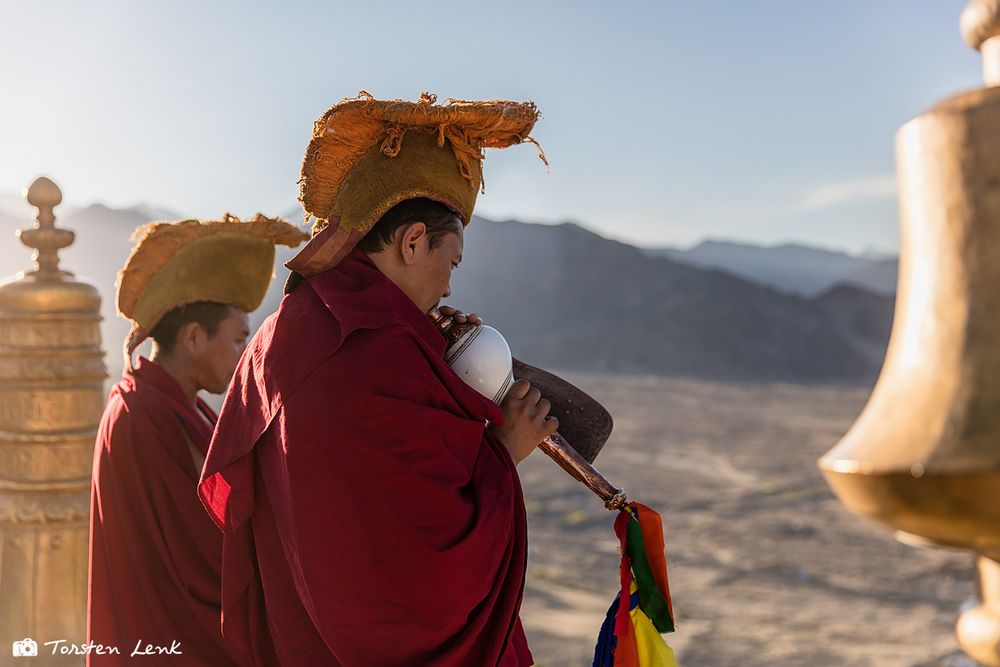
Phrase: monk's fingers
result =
(533, 396)
(467, 318)
(542, 407)
(518, 390)
(550, 426)
(451, 315)
(454, 313)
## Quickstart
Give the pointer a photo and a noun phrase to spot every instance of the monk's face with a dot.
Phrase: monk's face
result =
(421, 268)
(217, 356)
(433, 267)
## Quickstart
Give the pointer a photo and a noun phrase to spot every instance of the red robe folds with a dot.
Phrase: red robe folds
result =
(154, 555)
(369, 517)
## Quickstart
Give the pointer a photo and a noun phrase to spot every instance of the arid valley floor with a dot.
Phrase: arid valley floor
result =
(766, 567)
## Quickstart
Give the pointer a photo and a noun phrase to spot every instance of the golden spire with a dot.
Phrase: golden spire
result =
(45, 238)
(51, 396)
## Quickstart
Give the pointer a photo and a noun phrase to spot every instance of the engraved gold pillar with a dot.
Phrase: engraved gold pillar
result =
(924, 456)
(51, 397)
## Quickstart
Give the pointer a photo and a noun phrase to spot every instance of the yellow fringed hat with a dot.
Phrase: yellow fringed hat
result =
(368, 155)
(176, 263)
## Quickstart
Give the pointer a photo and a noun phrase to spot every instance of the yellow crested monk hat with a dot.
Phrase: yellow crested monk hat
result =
(176, 263)
(368, 155)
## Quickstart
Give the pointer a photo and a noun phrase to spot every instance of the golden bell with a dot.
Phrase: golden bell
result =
(924, 456)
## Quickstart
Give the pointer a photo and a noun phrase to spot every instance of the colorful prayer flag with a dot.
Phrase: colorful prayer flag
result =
(631, 634)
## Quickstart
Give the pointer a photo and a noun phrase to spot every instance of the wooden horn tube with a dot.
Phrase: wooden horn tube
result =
(560, 451)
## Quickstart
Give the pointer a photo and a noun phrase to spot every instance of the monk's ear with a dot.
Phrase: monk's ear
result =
(190, 337)
(409, 241)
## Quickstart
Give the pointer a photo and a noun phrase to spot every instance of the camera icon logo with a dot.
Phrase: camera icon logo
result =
(25, 648)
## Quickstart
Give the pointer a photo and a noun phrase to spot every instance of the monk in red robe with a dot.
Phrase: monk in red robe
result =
(155, 556)
(371, 506)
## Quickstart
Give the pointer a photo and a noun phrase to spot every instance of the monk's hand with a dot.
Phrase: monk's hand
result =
(526, 420)
(450, 316)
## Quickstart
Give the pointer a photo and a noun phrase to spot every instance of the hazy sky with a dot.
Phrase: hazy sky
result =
(664, 122)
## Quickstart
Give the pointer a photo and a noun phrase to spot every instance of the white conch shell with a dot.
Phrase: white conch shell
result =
(482, 358)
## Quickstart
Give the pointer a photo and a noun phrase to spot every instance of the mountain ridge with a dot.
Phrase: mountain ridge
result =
(565, 297)
(790, 267)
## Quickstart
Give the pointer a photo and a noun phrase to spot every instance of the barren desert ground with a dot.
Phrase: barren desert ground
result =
(766, 567)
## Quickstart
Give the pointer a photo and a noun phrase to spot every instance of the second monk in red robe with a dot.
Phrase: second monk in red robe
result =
(155, 557)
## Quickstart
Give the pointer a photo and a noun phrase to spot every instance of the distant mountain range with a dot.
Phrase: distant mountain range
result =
(566, 298)
(792, 268)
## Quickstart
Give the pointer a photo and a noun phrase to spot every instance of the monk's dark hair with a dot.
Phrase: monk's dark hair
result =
(209, 314)
(440, 220)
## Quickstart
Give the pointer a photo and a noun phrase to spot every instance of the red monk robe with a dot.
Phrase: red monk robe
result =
(370, 519)
(155, 556)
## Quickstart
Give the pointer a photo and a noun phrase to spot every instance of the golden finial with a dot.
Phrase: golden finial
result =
(980, 24)
(51, 395)
(44, 195)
